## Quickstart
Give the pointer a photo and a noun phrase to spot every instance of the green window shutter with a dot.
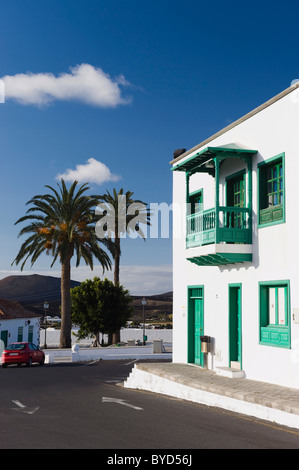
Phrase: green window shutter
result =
(20, 334)
(30, 334)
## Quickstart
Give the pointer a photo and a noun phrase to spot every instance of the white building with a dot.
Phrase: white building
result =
(236, 264)
(17, 324)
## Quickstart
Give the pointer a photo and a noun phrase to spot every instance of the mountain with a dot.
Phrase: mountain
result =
(33, 290)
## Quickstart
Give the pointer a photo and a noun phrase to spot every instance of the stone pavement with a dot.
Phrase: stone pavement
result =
(258, 399)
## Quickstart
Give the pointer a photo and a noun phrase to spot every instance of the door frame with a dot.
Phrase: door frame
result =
(191, 324)
(234, 340)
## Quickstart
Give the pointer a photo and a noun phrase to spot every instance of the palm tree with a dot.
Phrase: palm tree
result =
(62, 224)
(122, 207)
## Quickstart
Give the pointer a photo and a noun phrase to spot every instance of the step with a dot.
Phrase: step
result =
(230, 372)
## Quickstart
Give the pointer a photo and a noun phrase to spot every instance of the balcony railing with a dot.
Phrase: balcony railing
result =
(232, 225)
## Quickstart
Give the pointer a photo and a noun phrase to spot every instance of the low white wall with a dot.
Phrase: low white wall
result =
(53, 336)
(79, 354)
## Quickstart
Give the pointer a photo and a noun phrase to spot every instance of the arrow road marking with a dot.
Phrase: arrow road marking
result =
(120, 402)
(22, 407)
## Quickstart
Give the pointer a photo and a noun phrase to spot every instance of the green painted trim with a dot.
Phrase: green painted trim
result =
(190, 323)
(216, 160)
(274, 335)
(219, 259)
(260, 166)
(249, 172)
(208, 153)
(231, 286)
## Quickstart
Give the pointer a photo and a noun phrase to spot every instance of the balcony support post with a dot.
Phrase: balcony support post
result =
(216, 160)
(249, 168)
(187, 193)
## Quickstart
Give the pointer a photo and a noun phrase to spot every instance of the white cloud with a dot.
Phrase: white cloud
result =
(92, 172)
(84, 83)
(139, 280)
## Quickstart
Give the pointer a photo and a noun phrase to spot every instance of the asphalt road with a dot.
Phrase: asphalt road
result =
(79, 406)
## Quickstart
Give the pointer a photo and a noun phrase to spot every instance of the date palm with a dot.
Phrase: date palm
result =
(129, 215)
(62, 224)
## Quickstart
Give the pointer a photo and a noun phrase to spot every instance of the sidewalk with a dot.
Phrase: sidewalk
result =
(257, 399)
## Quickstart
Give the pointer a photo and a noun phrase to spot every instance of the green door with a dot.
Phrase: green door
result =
(196, 325)
(198, 330)
(235, 325)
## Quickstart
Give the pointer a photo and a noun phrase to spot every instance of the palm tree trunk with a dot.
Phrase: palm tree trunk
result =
(65, 332)
(116, 259)
(116, 334)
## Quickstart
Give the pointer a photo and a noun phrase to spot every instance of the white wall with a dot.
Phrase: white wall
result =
(53, 336)
(275, 252)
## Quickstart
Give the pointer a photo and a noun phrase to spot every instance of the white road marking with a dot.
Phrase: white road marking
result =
(120, 402)
(132, 362)
(18, 403)
(22, 407)
(93, 362)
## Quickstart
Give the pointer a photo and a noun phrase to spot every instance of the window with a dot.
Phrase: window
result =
(275, 313)
(196, 202)
(20, 334)
(30, 333)
(235, 197)
(271, 191)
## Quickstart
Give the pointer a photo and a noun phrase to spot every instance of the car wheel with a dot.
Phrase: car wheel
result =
(42, 361)
(4, 365)
(29, 363)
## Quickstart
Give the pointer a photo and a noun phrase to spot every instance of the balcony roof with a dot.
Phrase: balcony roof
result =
(203, 161)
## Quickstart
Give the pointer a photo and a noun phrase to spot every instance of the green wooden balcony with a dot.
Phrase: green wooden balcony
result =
(226, 225)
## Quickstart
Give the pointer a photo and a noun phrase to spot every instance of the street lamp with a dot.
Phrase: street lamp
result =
(143, 303)
(46, 306)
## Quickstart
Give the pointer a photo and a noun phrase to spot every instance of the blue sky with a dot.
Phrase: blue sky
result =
(169, 73)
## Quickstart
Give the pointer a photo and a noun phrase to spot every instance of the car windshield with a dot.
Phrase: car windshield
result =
(16, 347)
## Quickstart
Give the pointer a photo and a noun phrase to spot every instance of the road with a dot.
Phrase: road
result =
(79, 406)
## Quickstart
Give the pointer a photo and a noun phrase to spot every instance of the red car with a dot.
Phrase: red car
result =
(22, 353)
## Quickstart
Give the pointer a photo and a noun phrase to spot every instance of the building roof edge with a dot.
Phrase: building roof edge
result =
(260, 108)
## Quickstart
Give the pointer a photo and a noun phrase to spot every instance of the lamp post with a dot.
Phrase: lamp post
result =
(143, 303)
(46, 306)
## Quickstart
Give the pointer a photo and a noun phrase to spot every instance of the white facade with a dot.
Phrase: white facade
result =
(268, 284)
(19, 329)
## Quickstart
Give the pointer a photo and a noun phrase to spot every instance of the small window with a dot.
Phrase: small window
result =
(274, 314)
(20, 334)
(30, 334)
(271, 191)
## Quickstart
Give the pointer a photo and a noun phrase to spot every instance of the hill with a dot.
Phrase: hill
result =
(33, 290)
